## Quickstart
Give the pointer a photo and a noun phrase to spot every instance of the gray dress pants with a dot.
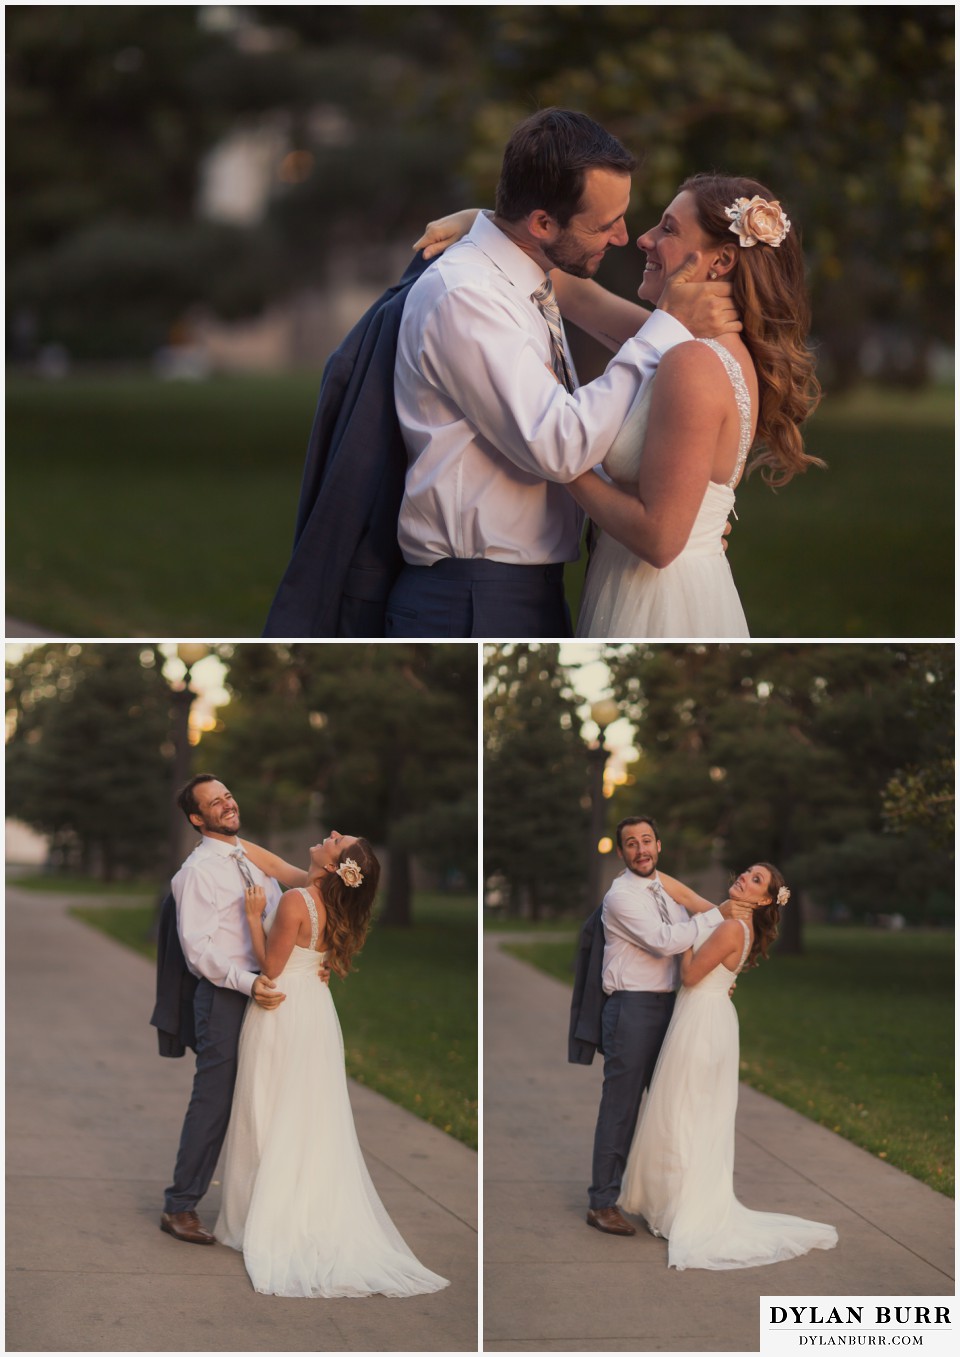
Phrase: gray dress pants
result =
(219, 1015)
(634, 1024)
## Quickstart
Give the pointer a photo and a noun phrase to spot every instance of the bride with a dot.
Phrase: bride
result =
(658, 567)
(297, 1197)
(679, 1173)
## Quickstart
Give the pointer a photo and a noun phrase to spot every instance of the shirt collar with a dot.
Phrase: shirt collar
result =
(218, 846)
(520, 269)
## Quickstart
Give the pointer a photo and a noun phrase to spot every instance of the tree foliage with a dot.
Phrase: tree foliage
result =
(89, 760)
(377, 740)
(394, 114)
(786, 753)
(536, 808)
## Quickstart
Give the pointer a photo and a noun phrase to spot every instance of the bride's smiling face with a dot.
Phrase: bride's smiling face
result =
(666, 245)
(327, 853)
(752, 886)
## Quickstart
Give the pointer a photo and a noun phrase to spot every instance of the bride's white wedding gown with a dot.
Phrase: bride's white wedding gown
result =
(297, 1197)
(679, 1173)
(695, 594)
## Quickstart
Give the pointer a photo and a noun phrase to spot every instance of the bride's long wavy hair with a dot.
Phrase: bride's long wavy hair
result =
(348, 907)
(770, 293)
(766, 920)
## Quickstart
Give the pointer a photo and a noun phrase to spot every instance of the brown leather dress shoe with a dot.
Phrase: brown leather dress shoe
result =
(609, 1220)
(186, 1225)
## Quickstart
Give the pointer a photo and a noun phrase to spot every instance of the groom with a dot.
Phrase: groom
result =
(211, 924)
(644, 933)
(493, 418)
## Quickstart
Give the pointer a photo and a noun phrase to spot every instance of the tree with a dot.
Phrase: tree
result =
(782, 752)
(393, 114)
(89, 759)
(383, 736)
(536, 813)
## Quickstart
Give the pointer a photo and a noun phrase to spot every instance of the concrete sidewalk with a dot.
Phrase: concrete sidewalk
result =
(93, 1121)
(552, 1283)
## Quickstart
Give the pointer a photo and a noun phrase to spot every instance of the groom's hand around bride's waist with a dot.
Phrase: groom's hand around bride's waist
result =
(265, 992)
(705, 308)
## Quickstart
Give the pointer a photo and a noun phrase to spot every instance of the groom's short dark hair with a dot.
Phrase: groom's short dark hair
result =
(186, 796)
(546, 160)
(636, 820)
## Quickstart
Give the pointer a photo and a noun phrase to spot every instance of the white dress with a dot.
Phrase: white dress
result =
(679, 1173)
(695, 594)
(297, 1197)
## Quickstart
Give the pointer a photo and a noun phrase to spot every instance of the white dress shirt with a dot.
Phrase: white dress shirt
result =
(491, 436)
(642, 948)
(211, 919)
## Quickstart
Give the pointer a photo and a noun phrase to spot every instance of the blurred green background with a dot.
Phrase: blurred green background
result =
(201, 201)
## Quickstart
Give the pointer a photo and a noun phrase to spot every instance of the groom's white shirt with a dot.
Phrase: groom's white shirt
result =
(491, 436)
(211, 920)
(642, 949)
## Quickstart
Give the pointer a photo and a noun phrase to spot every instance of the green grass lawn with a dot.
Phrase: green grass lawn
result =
(139, 507)
(408, 1010)
(857, 1034)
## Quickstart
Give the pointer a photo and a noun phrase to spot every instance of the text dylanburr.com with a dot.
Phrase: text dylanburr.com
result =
(821, 1324)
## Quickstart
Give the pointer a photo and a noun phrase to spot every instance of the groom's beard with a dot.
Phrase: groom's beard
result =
(221, 826)
(646, 873)
(569, 256)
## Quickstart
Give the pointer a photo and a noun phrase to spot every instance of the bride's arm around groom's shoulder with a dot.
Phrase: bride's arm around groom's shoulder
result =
(684, 895)
(273, 865)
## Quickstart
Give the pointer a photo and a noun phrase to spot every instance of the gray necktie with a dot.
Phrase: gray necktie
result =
(546, 299)
(661, 899)
(242, 862)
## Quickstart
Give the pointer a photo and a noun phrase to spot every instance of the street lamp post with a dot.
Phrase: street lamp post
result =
(182, 700)
(604, 712)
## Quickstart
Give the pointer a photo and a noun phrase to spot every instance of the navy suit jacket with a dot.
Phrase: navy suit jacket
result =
(586, 1007)
(176, 986)
(345, 554)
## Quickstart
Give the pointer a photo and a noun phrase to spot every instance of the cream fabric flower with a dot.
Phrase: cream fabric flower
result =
(349, 872)
(757, 221)
(783, 895)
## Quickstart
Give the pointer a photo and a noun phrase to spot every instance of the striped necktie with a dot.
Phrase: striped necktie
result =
(244, 865)
(546, 299)
(661, 899)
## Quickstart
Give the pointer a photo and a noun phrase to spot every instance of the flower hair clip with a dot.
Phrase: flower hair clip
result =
(756, 222)
(349, 872)
(783, 895)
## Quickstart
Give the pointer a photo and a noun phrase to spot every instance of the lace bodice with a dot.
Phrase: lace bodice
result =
(622, 462)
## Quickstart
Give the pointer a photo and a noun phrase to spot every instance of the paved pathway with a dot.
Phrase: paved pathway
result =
(15, 629)
(93, 1120)
(551, 1283)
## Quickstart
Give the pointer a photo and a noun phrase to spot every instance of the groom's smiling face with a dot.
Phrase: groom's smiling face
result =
(218, 812)
(598, 223)
(641, 849)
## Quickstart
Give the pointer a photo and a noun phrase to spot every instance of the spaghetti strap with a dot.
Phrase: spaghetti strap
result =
(742, 396)
(314, 918)
(746, 945)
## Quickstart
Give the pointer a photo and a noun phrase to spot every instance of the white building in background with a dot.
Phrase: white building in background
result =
(238, 179)
(23, 847)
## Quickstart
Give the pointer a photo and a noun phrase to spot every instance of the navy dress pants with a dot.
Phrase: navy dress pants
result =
(469, 598)
(634, 1024)
(219, 1015)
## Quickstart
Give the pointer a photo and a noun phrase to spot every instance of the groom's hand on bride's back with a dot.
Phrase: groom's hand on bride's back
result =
(705, 308)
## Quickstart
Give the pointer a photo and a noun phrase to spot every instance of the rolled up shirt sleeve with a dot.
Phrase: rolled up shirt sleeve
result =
(199, 923)
(475, 344)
